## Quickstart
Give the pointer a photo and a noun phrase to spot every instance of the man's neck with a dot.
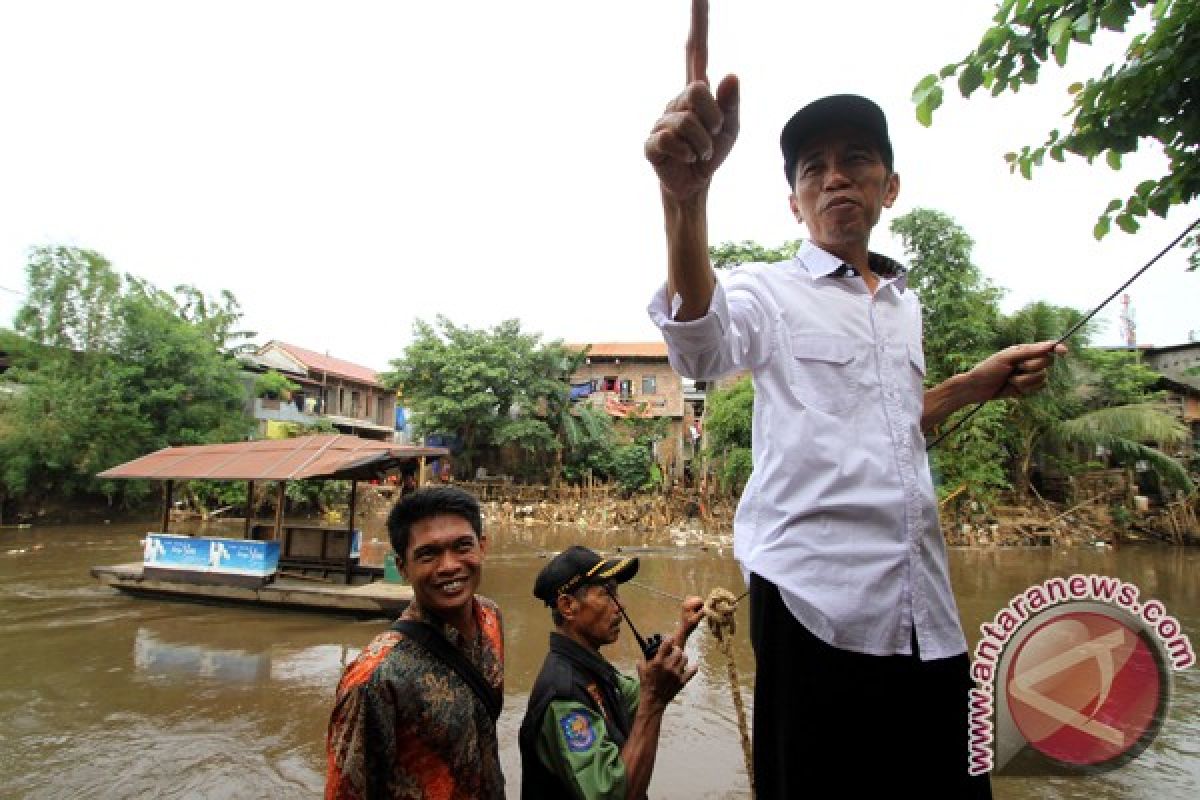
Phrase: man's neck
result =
(578, 638)
(462, 620)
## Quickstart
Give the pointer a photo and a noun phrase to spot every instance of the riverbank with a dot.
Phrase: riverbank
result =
(695, 517)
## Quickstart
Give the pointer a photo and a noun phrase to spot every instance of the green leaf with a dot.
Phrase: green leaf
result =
(1056, 152)
(1026, 169)
(1058, 31)
(1160, 8)
(970, 79)
(1010, 157)
(1127, 223)
(927, 82)
(924, 114)
(1102, 227)
(948, 70)
(1075, 88)
(1114, 14)
(1113, 158)
(1144, 188)
(1060, 51)
(1113, 205)
(1159, 205)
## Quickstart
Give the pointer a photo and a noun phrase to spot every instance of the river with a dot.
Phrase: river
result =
(107, 696)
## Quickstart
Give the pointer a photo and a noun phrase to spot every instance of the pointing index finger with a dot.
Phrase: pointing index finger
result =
(697, 43)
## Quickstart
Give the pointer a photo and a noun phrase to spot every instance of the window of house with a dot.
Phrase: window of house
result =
(367, 410)
(626, 389)
(610, 383)
(341, 401)
(649, 383)
(354, 404)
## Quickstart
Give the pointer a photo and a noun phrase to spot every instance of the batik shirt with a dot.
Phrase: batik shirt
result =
(406, 726)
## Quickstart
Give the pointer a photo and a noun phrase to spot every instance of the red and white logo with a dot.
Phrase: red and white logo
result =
(1084, 689)
(1072, 676)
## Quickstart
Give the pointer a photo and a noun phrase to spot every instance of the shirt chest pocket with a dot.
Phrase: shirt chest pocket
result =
(825, 372)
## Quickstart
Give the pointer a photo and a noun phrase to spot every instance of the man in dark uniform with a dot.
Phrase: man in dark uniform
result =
(589, 731)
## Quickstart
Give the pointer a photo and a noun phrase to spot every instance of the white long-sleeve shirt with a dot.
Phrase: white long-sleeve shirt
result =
(840, 511)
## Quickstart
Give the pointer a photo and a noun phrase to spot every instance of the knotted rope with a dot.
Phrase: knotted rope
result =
(718, 610)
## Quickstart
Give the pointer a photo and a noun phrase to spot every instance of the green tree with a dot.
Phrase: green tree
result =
(727, 426)
(1154, 94)
(960, 309)
(589, 443)
(1091, 399)
(274, 385)
(489, 387)
(107, 369)
(730, 254)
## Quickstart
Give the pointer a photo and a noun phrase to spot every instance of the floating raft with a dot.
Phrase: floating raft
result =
(378, 599)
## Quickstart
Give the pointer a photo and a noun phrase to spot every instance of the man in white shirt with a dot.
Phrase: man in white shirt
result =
(862, 673)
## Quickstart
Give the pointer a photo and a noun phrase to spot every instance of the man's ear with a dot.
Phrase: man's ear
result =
(795, 208)
(891, 189)
(483, 544)
(565, 604)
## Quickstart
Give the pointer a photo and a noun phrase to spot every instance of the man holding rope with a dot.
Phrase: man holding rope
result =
(590, 732)
(862, 674)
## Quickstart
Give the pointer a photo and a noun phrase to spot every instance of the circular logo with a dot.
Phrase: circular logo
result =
(1086, 689)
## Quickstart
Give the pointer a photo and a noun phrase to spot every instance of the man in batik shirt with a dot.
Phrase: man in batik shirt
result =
(415, 718)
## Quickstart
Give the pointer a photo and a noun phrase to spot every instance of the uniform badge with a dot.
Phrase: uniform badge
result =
(577, 729)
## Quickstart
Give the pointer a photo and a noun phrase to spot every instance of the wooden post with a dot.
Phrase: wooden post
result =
(249, 508)
(280, 500)
(421, 472)
(168, 487)
(350, 541)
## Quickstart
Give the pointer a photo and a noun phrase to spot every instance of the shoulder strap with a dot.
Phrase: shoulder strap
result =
(452, 657)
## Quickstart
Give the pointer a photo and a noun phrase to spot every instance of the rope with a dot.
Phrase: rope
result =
(718, 610)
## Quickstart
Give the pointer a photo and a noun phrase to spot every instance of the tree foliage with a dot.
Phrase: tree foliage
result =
(107, 368)
(490, 388)
(1154, 94)
(960, 308)
(730, 254)
(729, 415)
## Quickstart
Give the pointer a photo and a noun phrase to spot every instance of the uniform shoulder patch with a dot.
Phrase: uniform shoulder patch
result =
(578, 731)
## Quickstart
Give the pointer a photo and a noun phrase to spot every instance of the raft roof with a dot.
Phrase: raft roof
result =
(327, 456)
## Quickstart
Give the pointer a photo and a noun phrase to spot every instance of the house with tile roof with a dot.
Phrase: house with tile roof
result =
(634, 378)
(349, 396)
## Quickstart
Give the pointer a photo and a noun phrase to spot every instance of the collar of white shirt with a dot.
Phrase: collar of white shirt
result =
(822, 264)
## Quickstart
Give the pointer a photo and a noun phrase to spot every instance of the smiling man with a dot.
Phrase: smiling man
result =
(862, 674)
(589, 732)
(415, 714)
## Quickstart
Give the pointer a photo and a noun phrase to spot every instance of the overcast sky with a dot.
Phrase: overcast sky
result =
(345, 168)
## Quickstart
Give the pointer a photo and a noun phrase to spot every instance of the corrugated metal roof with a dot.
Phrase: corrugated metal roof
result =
(624, 349)
(329, 364)
(322, 456)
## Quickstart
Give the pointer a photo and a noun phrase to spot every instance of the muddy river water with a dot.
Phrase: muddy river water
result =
(107, 696)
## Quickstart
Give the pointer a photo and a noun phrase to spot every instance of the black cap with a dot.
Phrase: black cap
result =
(848, 110)
(578, 566)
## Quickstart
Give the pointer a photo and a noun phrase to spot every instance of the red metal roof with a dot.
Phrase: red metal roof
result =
(624, 349)
(333, 366)
(323, 456)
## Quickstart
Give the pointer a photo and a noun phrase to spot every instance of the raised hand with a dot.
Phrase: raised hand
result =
(696, 132)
